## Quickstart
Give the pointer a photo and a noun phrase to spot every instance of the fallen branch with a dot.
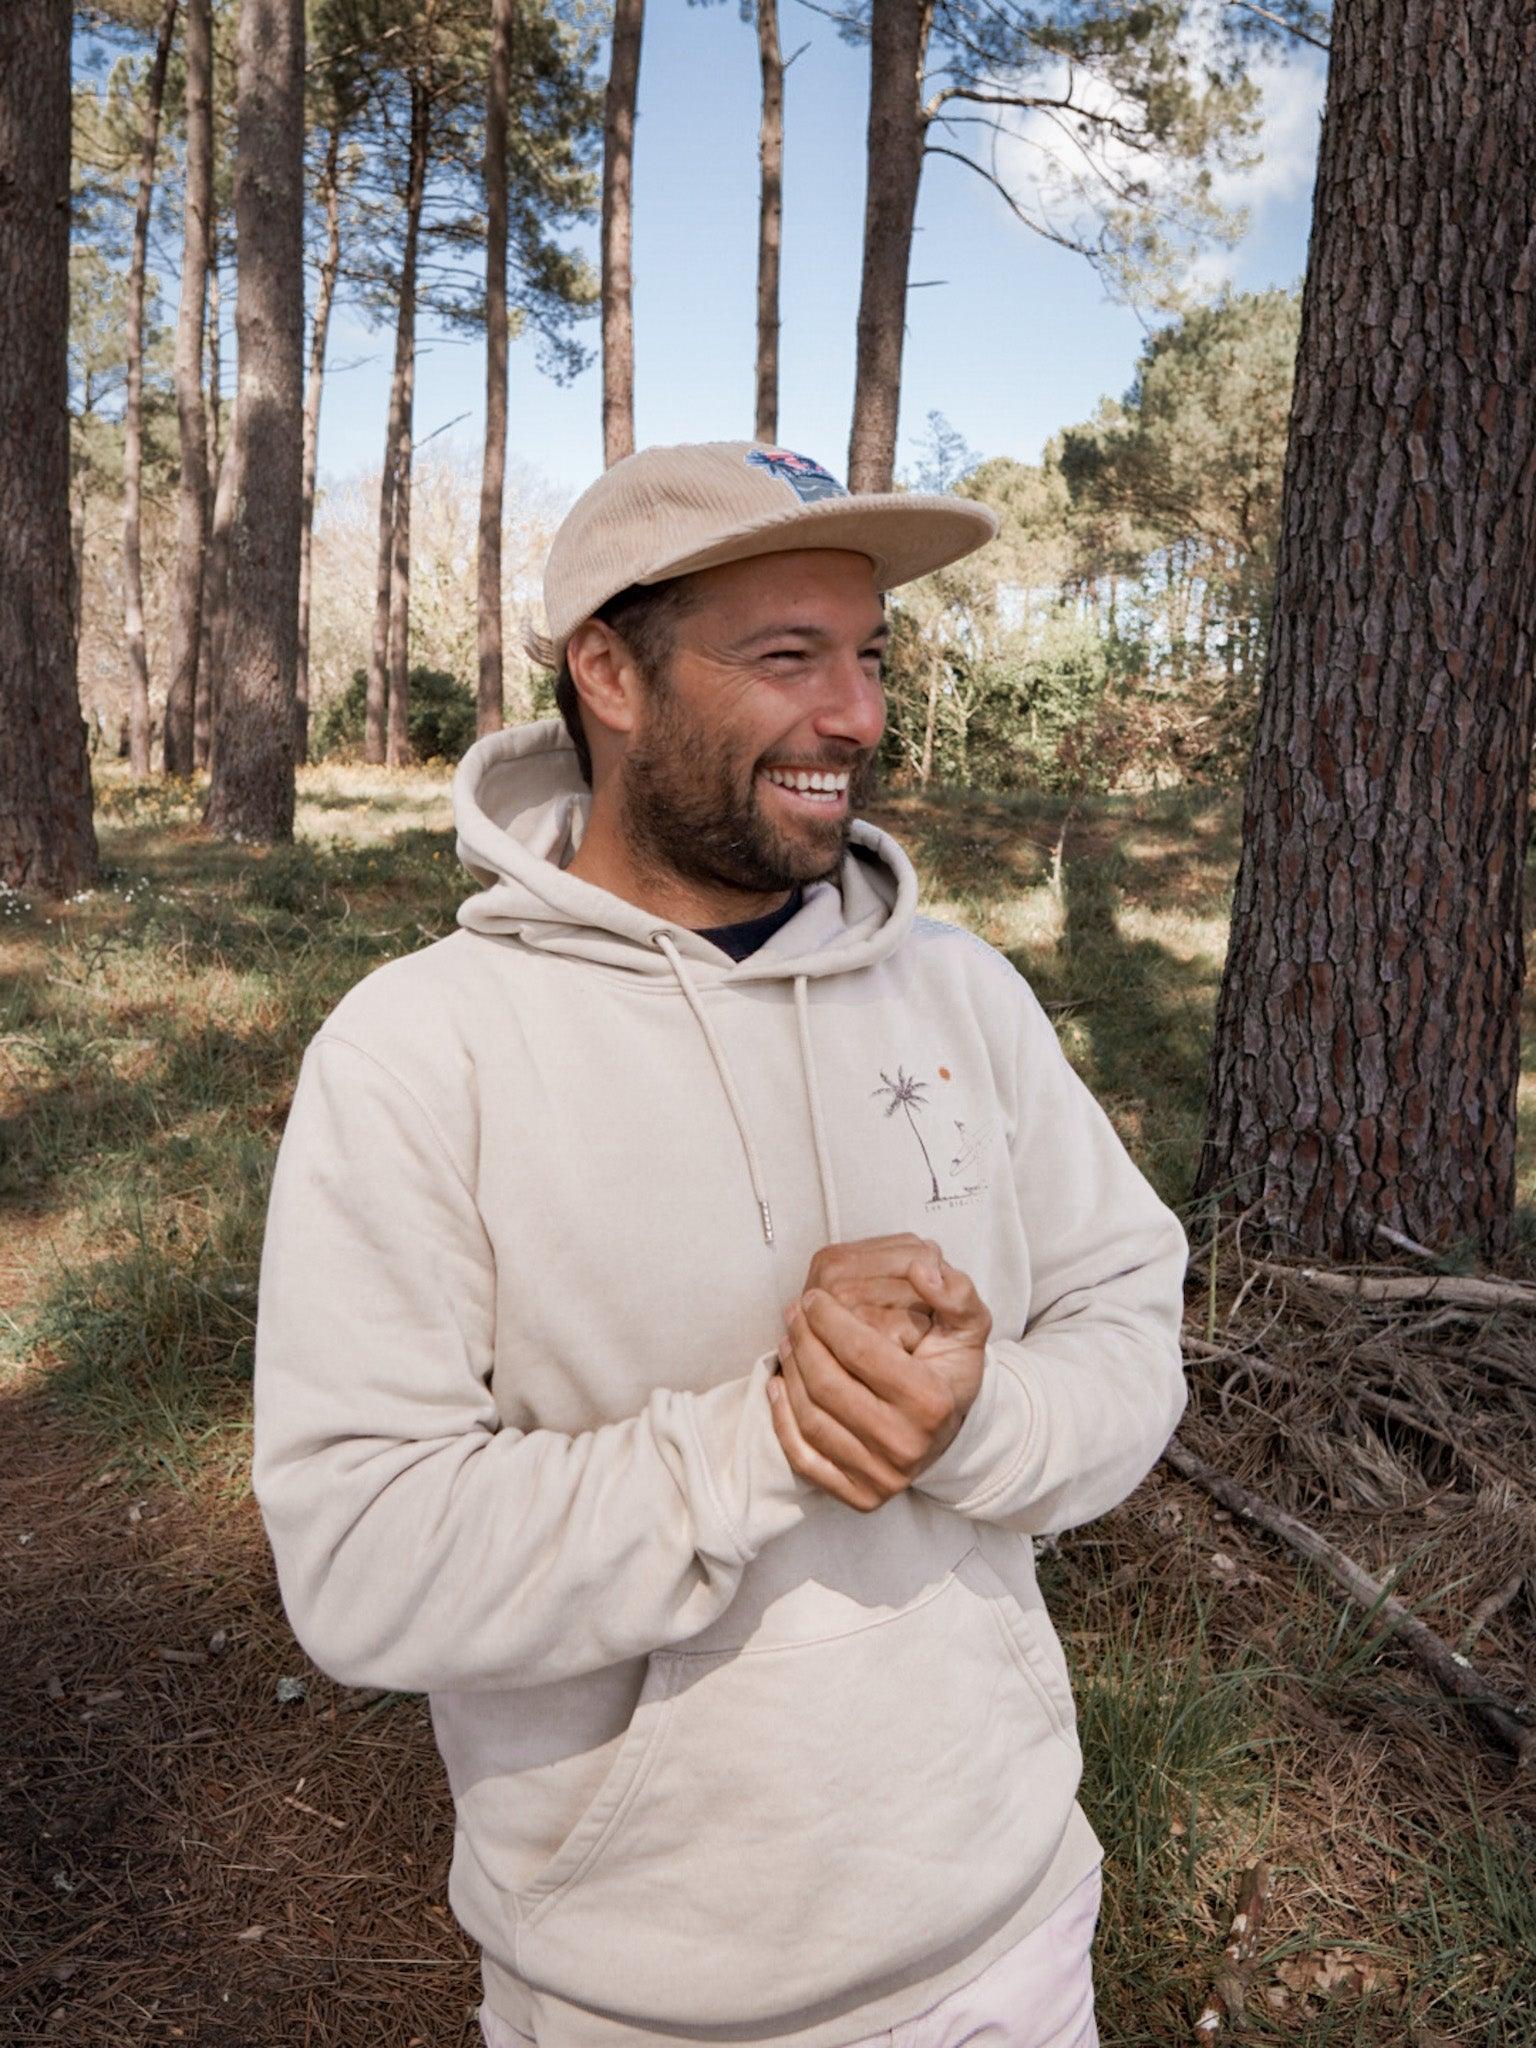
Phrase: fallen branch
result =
(1406, 1244)
(1472, 1291)
(1229, 1987)
(1490, 1609)
(1450, 1670)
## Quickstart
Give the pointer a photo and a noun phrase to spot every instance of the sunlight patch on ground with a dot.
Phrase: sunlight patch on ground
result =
(364, 806)
(1033, 920)
(1198, 941)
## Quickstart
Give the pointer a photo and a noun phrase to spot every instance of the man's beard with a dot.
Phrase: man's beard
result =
(686, 815)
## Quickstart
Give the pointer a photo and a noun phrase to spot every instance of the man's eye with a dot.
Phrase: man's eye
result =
(785, 654)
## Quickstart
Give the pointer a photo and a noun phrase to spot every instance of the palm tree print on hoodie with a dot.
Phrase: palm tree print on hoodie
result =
(904, 1093)
(910, 1096)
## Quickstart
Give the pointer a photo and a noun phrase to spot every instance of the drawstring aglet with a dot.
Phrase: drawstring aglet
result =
(767, 1215)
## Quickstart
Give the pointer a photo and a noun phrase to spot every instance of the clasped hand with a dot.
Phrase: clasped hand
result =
(880, 1362)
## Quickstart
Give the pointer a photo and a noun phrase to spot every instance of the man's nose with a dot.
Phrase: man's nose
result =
(854, 709)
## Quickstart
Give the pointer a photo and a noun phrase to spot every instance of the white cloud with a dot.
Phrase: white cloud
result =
(1292, 108)
(1057, 175)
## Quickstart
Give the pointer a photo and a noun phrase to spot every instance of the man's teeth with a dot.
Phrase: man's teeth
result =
(801, 779)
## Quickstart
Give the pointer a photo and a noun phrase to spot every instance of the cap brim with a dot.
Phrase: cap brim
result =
(905, 534)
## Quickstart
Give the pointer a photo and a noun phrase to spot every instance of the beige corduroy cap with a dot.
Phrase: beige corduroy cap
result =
(668, 511)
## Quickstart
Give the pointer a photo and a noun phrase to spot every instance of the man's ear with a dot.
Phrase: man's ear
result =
(606, 678)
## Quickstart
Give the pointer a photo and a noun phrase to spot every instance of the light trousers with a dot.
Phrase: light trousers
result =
(1037, 1995)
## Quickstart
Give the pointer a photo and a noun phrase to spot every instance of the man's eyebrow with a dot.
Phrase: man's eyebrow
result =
(879, 631)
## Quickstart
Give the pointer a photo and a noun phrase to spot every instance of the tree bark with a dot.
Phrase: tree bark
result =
(770, 219)
(133, 410)
(330, 263)
(47, 842)
(377, 709)
(618, 316)
(251, 791)
(493, 471)
(216, 596)
(214, 582)
(898, 52)
(1367, 1044)
(930, 722)
(79, 498)
(192, 496)
(396, 433)
(398, 751)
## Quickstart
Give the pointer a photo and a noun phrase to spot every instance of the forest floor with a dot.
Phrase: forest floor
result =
(206, 1840)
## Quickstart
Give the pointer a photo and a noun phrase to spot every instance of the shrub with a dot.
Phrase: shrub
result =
(440, 719)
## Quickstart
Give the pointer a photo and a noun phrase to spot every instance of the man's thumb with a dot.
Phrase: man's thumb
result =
(932, 1279)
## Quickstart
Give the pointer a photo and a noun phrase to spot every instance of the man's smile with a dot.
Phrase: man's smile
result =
(819, 789)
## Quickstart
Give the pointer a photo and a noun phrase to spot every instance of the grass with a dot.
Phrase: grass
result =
(150, 1034)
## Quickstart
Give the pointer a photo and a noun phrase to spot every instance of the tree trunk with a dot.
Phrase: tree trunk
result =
(493, 471)
(216, 596)
(930, 722)
(79, 498)
(398, 750)
(192, 497)
(770, 219)
(618, 315)
(1367, 1046)
(378, 652)
(330, 263)
(397, 432)
(133, 411)
(47, 842)
(251, 791)
(214, 582)
(898, 52)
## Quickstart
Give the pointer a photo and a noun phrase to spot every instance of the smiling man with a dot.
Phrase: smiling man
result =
(688, 1290)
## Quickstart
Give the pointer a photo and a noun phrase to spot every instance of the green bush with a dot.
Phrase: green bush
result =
(542, 694)
(1030, 699)
(440, 718)
(1038, 710)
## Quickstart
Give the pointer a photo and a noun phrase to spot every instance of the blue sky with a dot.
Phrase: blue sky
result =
(1017, 342)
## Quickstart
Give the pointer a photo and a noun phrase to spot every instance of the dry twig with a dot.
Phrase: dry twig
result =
(1229, 1987)
(1446, 1666)
(1471, 1291)
(1490, 1609)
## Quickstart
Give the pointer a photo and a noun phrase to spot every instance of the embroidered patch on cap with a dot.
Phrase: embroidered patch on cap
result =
(807, 479)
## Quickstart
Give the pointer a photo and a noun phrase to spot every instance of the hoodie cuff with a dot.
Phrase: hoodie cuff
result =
(992, 1441)
(758, 1493)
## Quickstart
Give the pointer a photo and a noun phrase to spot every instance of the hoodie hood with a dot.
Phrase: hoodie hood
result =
(520, 807)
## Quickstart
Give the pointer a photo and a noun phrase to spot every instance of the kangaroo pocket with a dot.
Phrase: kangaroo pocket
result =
(786, 1824)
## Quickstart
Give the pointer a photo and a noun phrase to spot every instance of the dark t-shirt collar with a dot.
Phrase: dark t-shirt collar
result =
(741, 939)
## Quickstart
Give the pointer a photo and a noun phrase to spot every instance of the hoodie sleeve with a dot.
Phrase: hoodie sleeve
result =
(419, 1543)
(1073, 1412)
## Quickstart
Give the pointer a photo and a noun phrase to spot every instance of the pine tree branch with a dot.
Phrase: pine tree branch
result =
(1279, 21)
(1029, 221)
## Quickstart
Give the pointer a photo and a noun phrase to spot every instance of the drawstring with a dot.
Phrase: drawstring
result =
(717, 1053)
(695, 1003)
(818, 1126)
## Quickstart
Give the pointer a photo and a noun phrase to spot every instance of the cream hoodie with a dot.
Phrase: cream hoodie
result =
(730, 1760)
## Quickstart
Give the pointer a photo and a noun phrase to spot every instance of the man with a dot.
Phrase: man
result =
(688, 1289)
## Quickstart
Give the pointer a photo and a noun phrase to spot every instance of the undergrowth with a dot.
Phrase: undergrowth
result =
(150, 1036)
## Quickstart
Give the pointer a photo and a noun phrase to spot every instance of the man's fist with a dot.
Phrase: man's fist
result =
(867, 1397)
(873, 1278)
